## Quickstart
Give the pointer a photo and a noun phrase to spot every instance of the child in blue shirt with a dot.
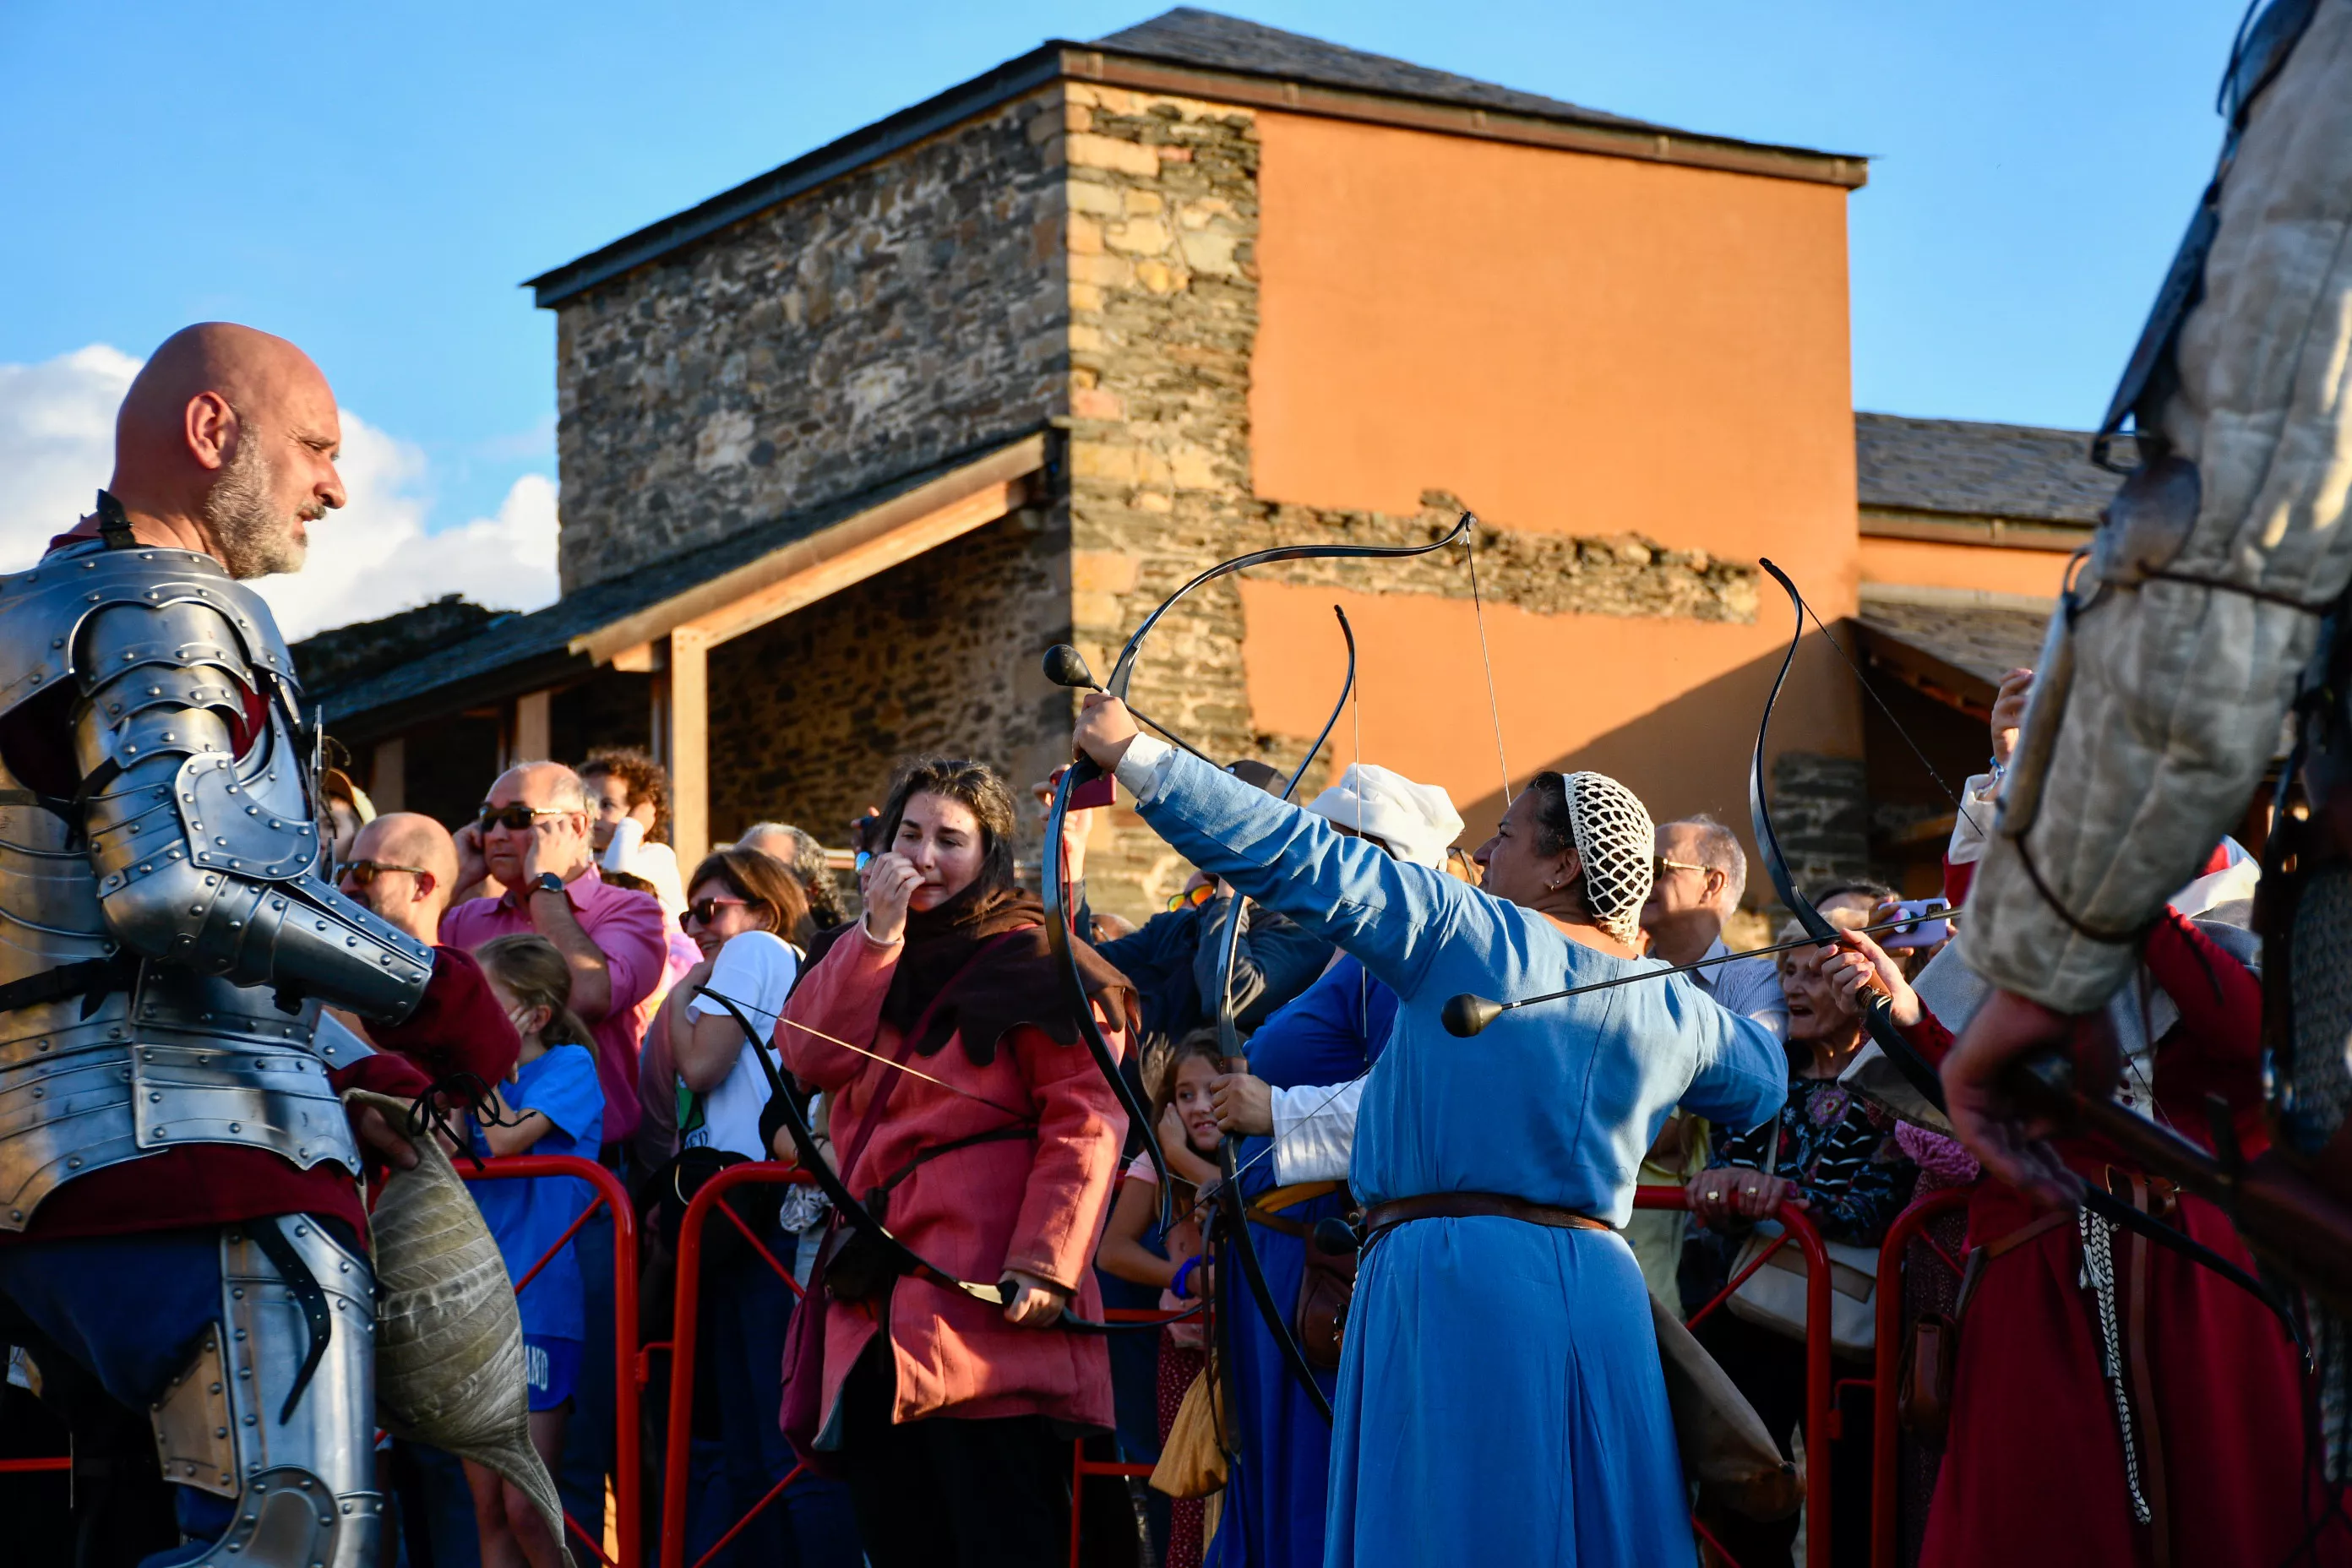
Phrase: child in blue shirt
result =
(551, 1106)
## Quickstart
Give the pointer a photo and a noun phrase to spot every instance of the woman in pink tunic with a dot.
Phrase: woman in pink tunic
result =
(951, 1418)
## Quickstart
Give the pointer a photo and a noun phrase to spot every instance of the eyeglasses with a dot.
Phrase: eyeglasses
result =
(1192, 900)
(1660, 865)
(361, 873)
(516, 819)
(707, 909)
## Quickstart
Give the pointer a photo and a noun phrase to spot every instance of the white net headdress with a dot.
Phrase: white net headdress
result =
(1618, 843)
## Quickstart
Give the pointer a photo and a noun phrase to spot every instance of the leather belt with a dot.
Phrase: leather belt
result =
(1264, 1211)
(1384, 1217)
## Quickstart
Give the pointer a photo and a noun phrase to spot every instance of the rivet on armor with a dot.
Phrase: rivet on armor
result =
(237, 1127)
(74, 1163)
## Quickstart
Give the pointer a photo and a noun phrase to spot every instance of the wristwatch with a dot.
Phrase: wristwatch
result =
(549, 882)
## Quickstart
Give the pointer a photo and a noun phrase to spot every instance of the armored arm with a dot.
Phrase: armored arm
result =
(198, 814)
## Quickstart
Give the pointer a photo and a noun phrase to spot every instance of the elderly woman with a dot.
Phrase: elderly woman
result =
(1499, 1393)
(1836, 1154)
(978, 1129)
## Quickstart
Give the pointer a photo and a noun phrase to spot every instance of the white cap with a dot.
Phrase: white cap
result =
(1416, 821)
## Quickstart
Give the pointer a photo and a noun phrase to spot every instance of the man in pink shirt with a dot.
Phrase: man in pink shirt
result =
(532, 836)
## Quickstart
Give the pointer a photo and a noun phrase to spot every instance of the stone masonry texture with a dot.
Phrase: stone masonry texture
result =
(1085, 258)
(898, 315)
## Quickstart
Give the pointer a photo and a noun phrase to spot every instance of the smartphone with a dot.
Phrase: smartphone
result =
(1929, 922)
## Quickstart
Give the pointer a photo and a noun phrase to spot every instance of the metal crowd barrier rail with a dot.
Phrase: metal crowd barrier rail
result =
(1885, 1481)
(610, 1195)
(1821, 1419)
(676, 1453)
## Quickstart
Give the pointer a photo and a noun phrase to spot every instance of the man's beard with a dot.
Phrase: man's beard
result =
(254, 538)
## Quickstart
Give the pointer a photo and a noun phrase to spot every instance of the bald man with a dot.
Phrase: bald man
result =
(173, 1176)
(404, 866)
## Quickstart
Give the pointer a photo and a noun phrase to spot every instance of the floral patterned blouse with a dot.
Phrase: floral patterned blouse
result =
(1840, 1151)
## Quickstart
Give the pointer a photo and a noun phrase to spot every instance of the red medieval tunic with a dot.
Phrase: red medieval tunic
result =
(1035, 1204)
(2033, 1469)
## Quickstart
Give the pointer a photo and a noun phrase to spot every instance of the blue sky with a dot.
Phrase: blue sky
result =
(375, 182)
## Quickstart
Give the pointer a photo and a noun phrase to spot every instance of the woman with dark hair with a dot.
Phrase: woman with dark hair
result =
(1500, 1396)
(740, 905)
(962, 1102)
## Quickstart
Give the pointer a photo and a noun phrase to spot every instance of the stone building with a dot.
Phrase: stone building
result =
(845, 448)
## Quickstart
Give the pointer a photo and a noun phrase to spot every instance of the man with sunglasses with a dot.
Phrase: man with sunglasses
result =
(532, 837)
(403, 869)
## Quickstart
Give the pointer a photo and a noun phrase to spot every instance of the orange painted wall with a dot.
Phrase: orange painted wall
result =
(1919, 563)
(1571, 343)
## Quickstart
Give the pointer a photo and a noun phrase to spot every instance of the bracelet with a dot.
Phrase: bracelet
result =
(1183, 1272)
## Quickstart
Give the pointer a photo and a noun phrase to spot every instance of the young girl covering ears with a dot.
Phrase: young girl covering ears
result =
(1189, 1137)
(551, 1105)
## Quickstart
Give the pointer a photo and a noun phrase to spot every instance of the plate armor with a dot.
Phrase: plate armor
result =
(166, 936)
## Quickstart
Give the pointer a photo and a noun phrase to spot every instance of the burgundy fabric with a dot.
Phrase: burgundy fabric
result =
(938, 987)
(627, 927)
(2034, 1470)
(1011, 1204)
(212, 1184)
(458, 1026)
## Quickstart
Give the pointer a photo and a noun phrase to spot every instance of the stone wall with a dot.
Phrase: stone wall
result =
(909, 311)
(810, 714)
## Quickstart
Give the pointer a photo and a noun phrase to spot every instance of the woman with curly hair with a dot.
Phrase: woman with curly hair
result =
(629, 794)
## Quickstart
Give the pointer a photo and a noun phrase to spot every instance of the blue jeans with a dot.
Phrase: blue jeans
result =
(588, 1431)
(128, 1309)
(745, 1310)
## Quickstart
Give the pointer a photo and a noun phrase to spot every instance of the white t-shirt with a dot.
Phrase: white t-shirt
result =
(755, 971)
(657, 863)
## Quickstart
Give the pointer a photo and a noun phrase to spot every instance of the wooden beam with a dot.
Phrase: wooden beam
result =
(643, 659)
(388, 775)
(690, 745)
(859, 561)
(532, 726)
(958, 492)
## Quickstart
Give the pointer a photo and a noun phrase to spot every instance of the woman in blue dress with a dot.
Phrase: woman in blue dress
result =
(1499, 1397)
(1276, 1487)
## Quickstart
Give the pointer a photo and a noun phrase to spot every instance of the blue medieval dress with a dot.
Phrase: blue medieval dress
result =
(1276, 1489)
(1500, 1396)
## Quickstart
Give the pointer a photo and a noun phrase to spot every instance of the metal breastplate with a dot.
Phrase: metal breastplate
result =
(180, 1057)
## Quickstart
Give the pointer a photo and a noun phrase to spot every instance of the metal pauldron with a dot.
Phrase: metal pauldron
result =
(301, 1478)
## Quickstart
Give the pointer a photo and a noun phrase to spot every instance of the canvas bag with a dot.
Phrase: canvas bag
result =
(1774, 1296)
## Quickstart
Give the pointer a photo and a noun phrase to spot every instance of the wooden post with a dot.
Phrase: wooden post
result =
(531, 726)
(388, 775)
(690, 743)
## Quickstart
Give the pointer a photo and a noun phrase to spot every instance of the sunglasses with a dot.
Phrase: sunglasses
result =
(363, 873)
(1193, 899)
(1660, 865)
(516, 819)
(707, 909)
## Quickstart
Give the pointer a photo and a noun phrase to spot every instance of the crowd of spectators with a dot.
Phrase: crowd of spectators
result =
(674, 1026)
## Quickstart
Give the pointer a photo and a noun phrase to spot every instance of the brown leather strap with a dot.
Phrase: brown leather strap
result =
(1384, 1217)
(1973, 1270)
(2143, 1379)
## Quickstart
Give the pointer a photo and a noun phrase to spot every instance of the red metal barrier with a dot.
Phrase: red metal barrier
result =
(1821, 1421)
(609, 1195)
(28, 1466)
(1080, 1466)
(1884, 1479)
(682, 1346)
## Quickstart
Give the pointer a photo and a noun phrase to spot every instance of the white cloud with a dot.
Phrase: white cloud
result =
(377, 555)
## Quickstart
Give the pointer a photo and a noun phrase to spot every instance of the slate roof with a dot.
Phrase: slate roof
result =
(1972, 646)
(1191, 35)
(1972, 469)
(1187, 37)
